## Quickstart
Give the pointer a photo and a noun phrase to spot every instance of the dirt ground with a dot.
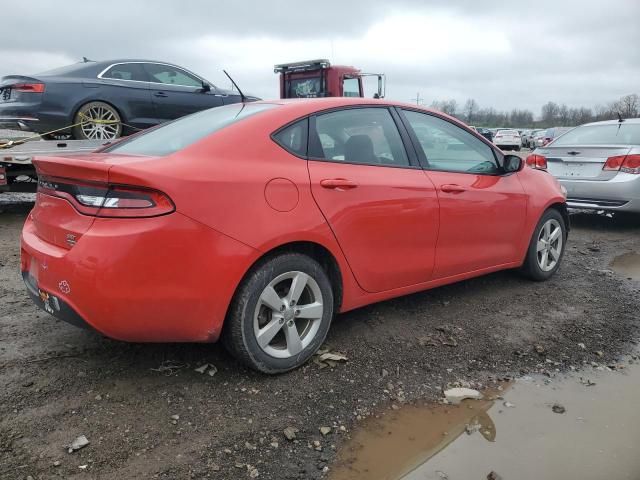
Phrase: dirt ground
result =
(148, 414)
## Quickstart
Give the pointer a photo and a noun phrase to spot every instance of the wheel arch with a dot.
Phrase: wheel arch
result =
(314, 250)
(87, 101)
(564, 211)
(560, 207)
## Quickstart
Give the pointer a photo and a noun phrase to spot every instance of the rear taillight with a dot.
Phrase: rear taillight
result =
(623, 163)
(536, 161)
(3, 176)
(29, 87)
(101, 200)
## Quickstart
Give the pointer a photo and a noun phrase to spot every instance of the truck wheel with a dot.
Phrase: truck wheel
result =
(546, 248)
(280, 314)
(97, 121)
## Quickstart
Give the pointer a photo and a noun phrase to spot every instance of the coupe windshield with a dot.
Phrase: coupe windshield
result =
(611, 134)
(181, 133)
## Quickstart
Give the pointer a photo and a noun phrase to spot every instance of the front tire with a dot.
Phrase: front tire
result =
(280, 314)
(547, 246)
(97, 121)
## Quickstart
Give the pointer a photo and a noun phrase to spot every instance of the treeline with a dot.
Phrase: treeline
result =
(552, 114)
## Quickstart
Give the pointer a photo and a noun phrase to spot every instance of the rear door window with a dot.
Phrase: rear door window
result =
(359, 135)
(170, 75)
(126, 71)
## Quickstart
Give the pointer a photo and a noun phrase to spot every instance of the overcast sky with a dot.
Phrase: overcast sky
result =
(503, 54)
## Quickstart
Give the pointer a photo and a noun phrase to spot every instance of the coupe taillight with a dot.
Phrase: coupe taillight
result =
(536, 161)
(105, 200)
(623, 163)
(28, 87)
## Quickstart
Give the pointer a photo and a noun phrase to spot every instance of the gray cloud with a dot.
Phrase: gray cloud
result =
(505, 55)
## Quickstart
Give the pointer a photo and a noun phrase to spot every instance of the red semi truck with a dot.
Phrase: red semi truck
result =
(318, 78)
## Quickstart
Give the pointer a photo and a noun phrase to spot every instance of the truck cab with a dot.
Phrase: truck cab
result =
(318, 78)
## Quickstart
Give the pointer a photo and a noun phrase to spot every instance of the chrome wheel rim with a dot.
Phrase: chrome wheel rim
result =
(288, 315)
(549, 246)
(99, 123)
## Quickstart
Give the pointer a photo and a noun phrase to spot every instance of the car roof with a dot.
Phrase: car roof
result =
(311, 105)
(90, 67)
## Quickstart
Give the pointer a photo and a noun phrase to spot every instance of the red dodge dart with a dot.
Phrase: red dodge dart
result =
(256, 223)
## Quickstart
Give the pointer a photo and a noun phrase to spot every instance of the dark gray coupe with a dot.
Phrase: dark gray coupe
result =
(99, 97)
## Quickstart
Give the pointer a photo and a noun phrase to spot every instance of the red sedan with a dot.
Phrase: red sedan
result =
(256, 223)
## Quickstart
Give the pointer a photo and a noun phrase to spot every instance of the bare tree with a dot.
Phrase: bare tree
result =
(552, 114)
(470, 110)
(550, 111)
(446, 106)
(629, 106)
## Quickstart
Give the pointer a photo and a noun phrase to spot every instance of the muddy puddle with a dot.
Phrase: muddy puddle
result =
(627, 265)
(519, 436)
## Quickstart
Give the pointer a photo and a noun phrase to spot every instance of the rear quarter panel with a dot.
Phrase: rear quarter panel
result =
(223, 182)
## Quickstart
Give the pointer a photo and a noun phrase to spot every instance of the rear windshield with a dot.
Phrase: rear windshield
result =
(70, 70)
(612, 134)
(181, 133)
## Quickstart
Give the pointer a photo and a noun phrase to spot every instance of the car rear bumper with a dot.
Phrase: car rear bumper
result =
(621, 193)
(23, 123)
(32, 117)
(51, 303)
(162, 279)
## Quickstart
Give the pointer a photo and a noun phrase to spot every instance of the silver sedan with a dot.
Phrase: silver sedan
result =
(598, 163)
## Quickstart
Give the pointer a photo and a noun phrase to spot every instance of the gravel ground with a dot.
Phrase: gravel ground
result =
(148, 414)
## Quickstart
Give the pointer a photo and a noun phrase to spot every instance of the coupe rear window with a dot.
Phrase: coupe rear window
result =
(181, 133)
(611, 134)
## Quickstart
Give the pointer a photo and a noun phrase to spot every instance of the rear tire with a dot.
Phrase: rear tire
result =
(107, 126)
(267, 328)
(546, 247)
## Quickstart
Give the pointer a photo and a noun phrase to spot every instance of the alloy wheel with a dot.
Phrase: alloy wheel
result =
(288, 314)
(550, 244)
(99, 122)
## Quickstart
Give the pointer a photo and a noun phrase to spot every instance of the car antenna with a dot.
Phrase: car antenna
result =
(242, 97)
(86, 60)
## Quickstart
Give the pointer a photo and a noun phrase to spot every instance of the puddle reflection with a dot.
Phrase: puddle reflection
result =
(519, 437)
(627, 265)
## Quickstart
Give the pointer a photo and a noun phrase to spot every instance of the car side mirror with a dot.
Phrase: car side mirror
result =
(512, 163)
(205, 88)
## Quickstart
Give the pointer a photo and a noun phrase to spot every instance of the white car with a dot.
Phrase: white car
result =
(508, 140)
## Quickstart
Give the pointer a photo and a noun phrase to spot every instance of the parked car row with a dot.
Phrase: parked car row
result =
(513, 139)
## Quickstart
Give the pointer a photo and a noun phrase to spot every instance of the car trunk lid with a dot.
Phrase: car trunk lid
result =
(57, 218)
(14, 88)
(582, 162)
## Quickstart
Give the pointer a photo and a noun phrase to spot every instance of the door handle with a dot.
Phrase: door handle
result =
(338, 183)
(451, 188)
(160, 94)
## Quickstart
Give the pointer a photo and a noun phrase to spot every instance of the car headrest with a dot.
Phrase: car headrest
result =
(359, 149)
